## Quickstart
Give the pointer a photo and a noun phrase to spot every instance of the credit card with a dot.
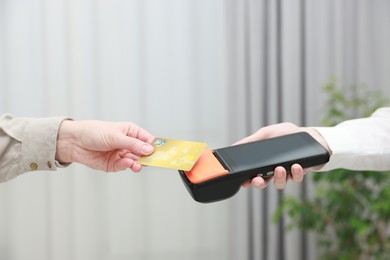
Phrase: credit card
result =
(173, 154)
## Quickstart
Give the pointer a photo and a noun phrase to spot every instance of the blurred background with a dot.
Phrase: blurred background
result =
(207, 70)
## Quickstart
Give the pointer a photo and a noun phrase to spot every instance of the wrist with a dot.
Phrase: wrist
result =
(65, 142)
(316, 135)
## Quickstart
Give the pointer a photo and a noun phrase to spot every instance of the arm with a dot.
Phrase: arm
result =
(358, 144)
(28, 144)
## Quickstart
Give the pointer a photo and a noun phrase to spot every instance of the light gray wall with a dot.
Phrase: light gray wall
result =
(160, 64)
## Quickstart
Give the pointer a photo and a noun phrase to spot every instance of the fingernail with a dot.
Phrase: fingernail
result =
(147, 149)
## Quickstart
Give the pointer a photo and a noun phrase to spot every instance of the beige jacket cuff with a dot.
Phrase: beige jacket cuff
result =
(39, 139)
(27, 144)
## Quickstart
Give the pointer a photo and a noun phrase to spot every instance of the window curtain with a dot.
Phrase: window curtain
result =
(280, 55)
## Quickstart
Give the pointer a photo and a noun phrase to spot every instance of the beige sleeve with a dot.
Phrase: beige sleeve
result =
(27, 144)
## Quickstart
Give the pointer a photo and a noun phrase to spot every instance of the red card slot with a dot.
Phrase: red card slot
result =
(207, 167)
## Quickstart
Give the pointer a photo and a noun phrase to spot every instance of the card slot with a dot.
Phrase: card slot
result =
(207, 167)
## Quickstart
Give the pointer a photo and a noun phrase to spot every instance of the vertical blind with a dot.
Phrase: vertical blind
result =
(281, 55)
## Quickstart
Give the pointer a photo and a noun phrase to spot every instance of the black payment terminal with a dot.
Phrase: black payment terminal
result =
(218, 174)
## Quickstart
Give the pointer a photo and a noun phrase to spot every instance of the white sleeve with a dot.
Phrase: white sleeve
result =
(360, 144)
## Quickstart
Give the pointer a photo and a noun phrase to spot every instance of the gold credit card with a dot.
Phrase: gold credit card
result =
(174, 154)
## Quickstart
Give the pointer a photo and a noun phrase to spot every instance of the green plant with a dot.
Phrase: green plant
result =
(350, 210)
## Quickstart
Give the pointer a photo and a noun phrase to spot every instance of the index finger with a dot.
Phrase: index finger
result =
(139, 133)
